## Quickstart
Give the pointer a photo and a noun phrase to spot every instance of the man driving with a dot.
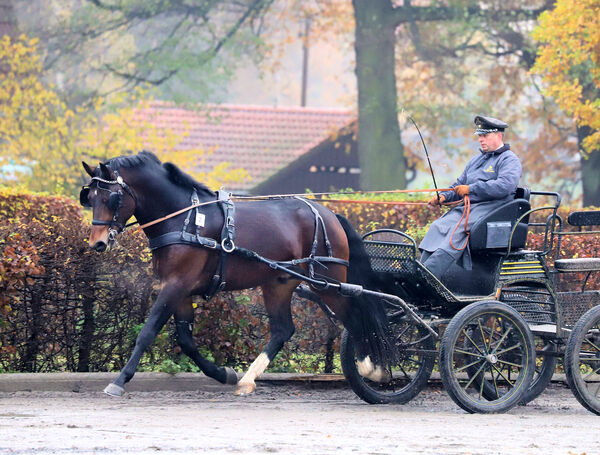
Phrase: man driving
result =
(490, 179)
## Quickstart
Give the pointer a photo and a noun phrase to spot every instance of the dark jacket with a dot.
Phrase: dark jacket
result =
(493, 178)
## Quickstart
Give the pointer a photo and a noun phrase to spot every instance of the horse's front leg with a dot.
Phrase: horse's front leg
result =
(166, 302)
(184, 319)
(278, 305)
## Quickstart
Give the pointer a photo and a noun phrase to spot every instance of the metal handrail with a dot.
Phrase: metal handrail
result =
(413, 243)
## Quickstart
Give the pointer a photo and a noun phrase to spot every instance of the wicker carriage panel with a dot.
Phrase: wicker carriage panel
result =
(390, 257)
(425, 276)
(575, 304)
(536, 305)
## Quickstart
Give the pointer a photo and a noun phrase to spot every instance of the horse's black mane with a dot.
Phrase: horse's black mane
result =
(145, 158)
(133, 161)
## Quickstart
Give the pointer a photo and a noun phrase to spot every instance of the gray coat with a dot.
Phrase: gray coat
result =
(492, 178)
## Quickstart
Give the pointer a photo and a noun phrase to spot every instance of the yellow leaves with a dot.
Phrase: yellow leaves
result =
(568, 60)
(38, 131)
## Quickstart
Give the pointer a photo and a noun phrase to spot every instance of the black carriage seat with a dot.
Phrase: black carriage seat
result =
(493, 232)
(580, 219)
(488, 243)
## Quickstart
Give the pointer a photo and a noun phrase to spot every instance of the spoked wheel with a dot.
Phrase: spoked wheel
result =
(582, 360)
(545, 365)
(409, 373)
(487, 357)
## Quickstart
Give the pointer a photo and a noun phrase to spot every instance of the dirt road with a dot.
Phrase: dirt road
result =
(287, 420)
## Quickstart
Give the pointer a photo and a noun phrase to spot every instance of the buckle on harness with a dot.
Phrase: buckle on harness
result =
(206, 242)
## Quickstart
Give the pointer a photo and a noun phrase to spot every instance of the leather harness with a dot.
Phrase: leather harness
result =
(227, 244)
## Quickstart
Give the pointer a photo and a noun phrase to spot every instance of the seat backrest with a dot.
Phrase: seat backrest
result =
(523, 193)
(584, 218)
(493, 231)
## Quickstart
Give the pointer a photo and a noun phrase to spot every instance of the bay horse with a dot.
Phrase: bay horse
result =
(281, 229)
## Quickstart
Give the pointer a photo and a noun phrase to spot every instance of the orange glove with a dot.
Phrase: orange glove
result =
(435, 201)
(461, 190)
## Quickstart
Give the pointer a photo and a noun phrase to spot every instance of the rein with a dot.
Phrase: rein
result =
(464, 216)
(331, 193)
(290, 195)
(170, 215)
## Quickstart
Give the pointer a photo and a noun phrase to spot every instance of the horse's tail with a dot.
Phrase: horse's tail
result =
(369, 321)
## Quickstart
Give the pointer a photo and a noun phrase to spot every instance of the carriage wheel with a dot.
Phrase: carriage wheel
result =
(545, 365)
(582, 360)
(410, 372)
(487, 343)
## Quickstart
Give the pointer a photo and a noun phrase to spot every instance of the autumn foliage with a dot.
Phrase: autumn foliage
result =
(48, 138)
(569, 61)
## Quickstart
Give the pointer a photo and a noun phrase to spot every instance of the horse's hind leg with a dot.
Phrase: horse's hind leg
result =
(278, 305)
(184, 319)
(357, 324)
(159, 315)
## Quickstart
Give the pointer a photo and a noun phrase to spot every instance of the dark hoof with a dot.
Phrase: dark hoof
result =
(114, 390)
(231, 376)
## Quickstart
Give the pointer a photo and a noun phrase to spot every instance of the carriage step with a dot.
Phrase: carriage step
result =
(543, 329)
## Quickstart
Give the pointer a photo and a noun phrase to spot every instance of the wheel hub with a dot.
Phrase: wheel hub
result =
(491, 358)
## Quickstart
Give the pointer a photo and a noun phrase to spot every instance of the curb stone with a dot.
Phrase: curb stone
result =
(180, 382)
(149, 382)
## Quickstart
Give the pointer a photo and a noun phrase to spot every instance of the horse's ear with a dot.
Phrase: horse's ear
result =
(88, 169)
(106, 174)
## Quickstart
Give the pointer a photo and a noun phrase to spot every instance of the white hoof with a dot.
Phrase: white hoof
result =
(365, 367)
(379, 375)
(114, 390)
(245, 389)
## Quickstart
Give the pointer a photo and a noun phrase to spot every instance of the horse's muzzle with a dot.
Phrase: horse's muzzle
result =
(100, 246)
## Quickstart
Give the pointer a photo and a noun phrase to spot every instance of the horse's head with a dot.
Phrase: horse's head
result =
(112, 202)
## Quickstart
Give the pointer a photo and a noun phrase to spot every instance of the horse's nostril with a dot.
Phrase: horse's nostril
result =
(99, 246)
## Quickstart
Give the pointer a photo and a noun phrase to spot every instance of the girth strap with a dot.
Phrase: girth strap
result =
(318, 221)
(217, 283)
(185, 238)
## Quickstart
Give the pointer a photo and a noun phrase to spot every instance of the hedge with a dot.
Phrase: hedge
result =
(64, 307)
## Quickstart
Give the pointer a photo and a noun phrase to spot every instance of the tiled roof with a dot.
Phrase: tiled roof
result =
(259, 139)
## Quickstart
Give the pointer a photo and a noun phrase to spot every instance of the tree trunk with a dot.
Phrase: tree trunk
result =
(590, 170)
(380, 148)
(8, 19)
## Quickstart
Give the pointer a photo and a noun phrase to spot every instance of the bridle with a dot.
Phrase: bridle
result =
(114, 202)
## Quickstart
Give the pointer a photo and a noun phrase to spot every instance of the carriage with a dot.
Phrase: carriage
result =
(498, 329)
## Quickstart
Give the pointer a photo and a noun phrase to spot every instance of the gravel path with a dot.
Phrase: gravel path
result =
(288, 420)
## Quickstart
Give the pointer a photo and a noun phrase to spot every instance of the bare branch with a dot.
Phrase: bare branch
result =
(408, 13)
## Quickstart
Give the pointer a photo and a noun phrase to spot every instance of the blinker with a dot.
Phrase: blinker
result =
(83, 196)
(114, 201)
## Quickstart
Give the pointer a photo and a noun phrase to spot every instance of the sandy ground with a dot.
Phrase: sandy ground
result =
(288, 420)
